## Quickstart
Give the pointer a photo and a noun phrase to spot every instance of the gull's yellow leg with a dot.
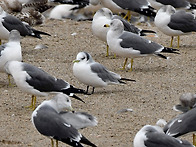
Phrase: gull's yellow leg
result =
(57, 143)
(34, 102)
(178, 41)
(131, 65)
(126, 59)
(107, 51)
(114, 55)
(0, 42)
(9, 80)
(194, 139)
(128, 16)
(172, 38)
(52, 142)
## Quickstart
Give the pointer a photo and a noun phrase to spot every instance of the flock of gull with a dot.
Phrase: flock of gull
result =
(56, 118)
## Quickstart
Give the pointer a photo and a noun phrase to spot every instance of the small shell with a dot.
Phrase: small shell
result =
(40, 46)
(125, 110)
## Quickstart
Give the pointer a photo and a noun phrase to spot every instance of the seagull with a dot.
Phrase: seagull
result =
(94, 74)
(49, 122)
(140, 6)
(35, 81)
(10, 50)
(187, 101)
(182, 124)
(130, 45)
(175, 23)
(153, 136)
(105, 16)
(9, 22)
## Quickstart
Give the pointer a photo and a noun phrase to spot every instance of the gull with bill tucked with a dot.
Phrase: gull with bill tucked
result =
(48, 121)
(35, 81)
(175, 23)
(94, 74)
(187, 101)
(153, 136)
(130, 45)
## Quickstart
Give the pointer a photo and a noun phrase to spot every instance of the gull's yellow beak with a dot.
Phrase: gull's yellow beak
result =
(106, 25)
(69, 108)
(76, 61)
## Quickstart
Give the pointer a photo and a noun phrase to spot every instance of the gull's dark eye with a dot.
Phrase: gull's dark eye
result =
(67, 100)
(83, 58)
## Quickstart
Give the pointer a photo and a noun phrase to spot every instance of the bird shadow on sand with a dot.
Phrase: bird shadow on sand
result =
(111, 90)
(146, 69)
(150, 69)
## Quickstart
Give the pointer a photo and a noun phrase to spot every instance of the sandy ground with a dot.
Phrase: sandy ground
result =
(159, 84)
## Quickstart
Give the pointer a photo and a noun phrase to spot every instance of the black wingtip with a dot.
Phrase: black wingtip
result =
(193, 6)
(38, 33)
(71, 89)
(147, 11)
(143, 32)
(76, 97)
(170, 50)
(84, 140)
(162, 56)
(125, 79)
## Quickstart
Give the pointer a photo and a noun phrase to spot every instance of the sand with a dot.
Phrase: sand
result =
(159, 84)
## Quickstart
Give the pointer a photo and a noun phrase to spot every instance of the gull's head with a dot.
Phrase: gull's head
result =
(14, 36)
(62, 102)
(83, 57)
(168, 9)
(104, 12)
(188, 100)
(140, 137)
(116, 25)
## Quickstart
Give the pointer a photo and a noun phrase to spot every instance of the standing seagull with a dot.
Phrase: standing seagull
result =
(94, 74)
(9, 22)
(48, 121)
(152, 136)
(140, 6)
(105, 16)
(37, 82)
(130, 45)
(11, 50)
(175, 23)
